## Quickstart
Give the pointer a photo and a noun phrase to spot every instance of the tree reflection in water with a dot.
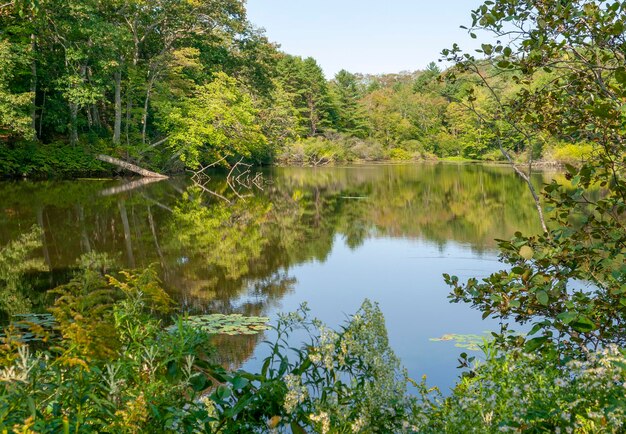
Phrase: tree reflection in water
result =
(235, 256)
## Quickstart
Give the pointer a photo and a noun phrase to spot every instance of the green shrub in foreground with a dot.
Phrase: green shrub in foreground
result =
(519, 392)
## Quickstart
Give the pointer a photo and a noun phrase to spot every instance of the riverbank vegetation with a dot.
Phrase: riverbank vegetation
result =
(114, 356)
(184, 85)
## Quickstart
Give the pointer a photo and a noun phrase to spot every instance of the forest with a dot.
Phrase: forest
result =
(179, 85)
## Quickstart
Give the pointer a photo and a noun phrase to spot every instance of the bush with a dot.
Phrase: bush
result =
(106, 365)
(493, 155)
(53, 160)
(106, 362)
(521, 392)
(571, 153)
(400, 154)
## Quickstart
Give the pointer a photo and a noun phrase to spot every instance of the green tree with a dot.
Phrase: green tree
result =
(346, 91)
(306, 85)
(217, 122)
(581, 44)
(14, 106)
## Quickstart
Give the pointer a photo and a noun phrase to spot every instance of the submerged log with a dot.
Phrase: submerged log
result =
(128, 166)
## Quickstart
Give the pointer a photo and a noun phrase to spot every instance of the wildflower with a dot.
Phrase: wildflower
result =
(322, 419)
(23, 365)
(316, 358)
(358, 424)
(488, 417)
(296, 392)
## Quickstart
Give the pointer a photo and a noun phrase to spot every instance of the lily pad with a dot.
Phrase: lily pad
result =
(468, 342)
(233, 324)
(32, 327)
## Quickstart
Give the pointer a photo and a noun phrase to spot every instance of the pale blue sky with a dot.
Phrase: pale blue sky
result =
(368, 36)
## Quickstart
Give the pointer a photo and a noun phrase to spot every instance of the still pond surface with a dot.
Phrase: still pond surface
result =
(330, 237)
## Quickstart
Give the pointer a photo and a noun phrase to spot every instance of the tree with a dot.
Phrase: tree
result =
(571, 280)
(350, 115)
(217, 122)
(306, 85)
(427, 77)
(14, 105)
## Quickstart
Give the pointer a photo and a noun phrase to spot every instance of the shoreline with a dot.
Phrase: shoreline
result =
(116, 175)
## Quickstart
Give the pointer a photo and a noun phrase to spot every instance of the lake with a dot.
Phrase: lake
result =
(329, 236)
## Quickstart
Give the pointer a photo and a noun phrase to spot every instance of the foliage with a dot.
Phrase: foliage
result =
(34, 160)
(217, 122)
(570, 280)
(147, 377)
(14, 106)
(572, 154)
(522, 392)
(345, 381)
(141, 380)
(195, 81)
(161, 379)
(331, 148)
(468, 342)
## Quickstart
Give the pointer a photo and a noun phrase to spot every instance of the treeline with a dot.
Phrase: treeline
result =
(173, 84)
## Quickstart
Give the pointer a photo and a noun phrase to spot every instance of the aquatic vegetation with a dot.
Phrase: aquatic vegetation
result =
(233, 324)
(470, 342)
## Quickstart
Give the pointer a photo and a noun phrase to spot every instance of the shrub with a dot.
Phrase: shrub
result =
(400, 154)
(53, 160)
(572, 153)
(521, 392)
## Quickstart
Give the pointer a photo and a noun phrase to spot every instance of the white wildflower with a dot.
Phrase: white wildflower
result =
(358, 424)
(296, 392)
(322, 419)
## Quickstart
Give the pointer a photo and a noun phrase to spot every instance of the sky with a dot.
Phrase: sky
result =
(366, 36)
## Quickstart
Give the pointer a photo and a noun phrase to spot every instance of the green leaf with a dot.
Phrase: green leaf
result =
(234, 324)
(239, 382)
(297, 429)
(542, 297)
(620, 76)
(583, 325)
(535, 343)
(567, 317)
(487, 48)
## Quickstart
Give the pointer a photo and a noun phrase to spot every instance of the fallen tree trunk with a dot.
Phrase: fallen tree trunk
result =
(128, 166)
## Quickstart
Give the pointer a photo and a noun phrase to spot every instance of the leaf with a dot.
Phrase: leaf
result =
(239, 382)
(234, 324)
(567, 317)
(583, 325)
(526, 252)
(297, 429)
(535, 343)
(620, 76)
(517, 270)
(542, 297)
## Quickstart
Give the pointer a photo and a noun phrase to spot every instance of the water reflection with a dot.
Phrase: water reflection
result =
(309, 234)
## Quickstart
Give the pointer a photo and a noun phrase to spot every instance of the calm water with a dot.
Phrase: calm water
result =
(328, 236)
